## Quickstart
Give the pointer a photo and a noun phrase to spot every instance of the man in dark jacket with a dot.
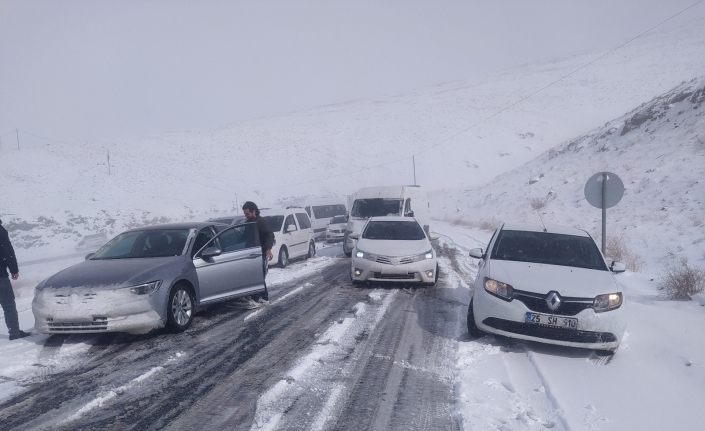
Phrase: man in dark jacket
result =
(266, 237)
(7, 296)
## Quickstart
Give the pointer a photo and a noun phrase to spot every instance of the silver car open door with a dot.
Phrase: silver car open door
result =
(231, 264)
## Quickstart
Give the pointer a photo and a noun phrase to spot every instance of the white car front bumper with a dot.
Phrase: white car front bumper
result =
(602, 331)
(423, 271)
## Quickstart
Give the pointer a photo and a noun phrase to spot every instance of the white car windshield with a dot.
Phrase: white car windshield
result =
(548, 248)
(394, 230)
(144, 243)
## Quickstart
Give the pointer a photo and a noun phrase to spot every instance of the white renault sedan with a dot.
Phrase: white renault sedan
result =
(547, 284)
(393, 249)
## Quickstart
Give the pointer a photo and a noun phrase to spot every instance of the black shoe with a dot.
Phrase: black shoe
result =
(19, 334)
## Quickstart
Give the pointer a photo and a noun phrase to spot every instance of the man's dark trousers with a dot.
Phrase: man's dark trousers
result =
(7, 300)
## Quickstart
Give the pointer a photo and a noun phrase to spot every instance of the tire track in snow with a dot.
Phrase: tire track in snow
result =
(217, 339)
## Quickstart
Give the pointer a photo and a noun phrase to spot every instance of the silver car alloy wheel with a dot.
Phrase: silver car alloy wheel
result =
(181, 307)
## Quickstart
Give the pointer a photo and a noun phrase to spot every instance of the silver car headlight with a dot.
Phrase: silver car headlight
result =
(499, 289)
(146, 288)
(607, 302)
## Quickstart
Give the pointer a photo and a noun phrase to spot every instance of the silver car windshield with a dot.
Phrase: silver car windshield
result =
(144, 243)
(548, 248)
(394, 230)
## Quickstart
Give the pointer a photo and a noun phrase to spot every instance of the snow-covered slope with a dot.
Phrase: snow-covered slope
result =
(462, 134)
(658, 150)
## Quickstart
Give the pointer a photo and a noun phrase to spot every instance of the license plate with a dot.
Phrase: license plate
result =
(552, 321)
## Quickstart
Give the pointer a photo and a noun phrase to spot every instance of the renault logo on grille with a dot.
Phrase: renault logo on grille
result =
(553, 301)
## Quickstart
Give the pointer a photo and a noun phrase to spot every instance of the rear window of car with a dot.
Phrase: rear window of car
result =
(338, 219)
(328, 211)
(394, 230)
(274, 222)
(548, 248)
(304, 221)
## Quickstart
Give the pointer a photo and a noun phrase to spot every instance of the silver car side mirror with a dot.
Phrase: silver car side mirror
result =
(210, 252)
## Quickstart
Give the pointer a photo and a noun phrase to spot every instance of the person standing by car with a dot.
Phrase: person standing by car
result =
(7, 296)
(266, 238)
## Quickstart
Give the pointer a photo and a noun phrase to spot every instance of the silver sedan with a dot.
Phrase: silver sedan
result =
(152, 277)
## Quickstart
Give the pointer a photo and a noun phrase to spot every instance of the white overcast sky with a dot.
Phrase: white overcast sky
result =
(87, 69)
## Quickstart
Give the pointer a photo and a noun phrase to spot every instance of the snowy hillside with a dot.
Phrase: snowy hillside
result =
(658, 150)
(462, 134)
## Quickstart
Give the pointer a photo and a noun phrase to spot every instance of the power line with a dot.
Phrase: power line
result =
(509, 106)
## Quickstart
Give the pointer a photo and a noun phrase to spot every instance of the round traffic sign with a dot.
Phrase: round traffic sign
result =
(608, 182)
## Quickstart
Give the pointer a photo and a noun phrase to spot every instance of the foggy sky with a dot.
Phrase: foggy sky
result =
(89, 69)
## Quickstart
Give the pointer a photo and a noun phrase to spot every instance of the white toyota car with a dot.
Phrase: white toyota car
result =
(547, 284)
(393, 249)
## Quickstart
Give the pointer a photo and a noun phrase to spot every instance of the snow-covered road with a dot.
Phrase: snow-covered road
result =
(325, 355)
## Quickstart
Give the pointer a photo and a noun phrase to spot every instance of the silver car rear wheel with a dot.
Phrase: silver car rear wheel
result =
(181, 307)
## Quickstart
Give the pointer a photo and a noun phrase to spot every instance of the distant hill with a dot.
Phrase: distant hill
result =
(658, 150)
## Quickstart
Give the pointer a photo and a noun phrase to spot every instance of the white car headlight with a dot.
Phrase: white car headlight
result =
(428, 254)
(360, 254)
(607, 302)
(146, 288)
(497, 288)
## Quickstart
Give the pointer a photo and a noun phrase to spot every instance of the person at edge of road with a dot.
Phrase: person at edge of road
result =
(266, 237)
(7, 296)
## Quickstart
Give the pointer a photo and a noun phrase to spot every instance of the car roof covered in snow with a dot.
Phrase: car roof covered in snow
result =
(186, 225)
(265, 212)
(550, 228)
(393, 218)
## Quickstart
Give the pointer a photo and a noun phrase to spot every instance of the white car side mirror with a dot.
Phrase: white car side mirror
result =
(290, 228)
(618, 267)
(477, 253)
(354, 236)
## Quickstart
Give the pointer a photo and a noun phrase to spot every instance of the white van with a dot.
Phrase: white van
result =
(293, 236)
(321, 214)
(407, 201)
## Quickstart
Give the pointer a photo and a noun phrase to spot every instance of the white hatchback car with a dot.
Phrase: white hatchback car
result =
(293, 235)
(547, 284)
(336, 229)
(393, 249)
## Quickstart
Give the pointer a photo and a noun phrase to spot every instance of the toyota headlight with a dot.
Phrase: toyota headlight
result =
(607, 302)
(360, 254)
(146, 288)
(428, 255)
(497, 288)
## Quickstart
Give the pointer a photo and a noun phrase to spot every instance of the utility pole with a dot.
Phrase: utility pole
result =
(17, 132)
(413, 160)
(108, 162)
